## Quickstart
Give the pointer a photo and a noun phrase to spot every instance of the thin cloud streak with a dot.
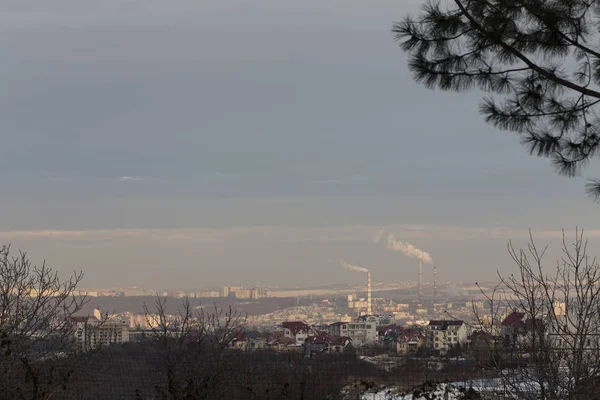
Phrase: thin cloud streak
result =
(290, 234)
(134, 179)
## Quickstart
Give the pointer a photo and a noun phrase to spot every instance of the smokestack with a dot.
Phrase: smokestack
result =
(420, 280)
(369, 309)
(434, 282)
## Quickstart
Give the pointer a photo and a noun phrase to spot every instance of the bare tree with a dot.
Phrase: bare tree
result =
(550, 346)
(35, 329)
(192, 347)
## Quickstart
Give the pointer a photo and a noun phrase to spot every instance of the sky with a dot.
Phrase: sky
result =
(192, 144)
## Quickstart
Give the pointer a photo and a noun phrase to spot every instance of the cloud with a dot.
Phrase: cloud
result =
(509, 234)
(347, 180)
(290, 234)
(134, 179)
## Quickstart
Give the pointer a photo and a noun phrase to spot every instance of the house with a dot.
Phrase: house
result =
(359, 332)
(256, 344)
(516, 329)
(297, 330)
(323, 343)
(255, 340)
(482, 346)
(316, 344)
(338, 328)
(387, 335)
(239, 342)
(338, 344)
(442, 335)
(410, 341)
(279, 342)
(283, 343)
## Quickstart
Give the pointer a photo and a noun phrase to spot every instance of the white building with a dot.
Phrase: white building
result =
(443, 335)
(359, 332)
(91, 332)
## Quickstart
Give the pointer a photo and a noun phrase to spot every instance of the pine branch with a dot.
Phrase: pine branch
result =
(592, 189)
(533, 66)
(523, 51)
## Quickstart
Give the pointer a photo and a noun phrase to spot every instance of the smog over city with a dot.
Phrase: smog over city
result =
(311, 167)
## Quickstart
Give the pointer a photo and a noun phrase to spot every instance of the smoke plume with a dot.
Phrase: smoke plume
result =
(408, 249)
(354, 268)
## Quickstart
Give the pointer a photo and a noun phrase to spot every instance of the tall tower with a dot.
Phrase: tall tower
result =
(434, 282)
(369, 309)
(420, 280)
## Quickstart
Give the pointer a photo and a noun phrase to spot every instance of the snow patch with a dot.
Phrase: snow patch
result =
(440, 391)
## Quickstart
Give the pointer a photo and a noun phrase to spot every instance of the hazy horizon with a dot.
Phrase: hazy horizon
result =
(162, 144)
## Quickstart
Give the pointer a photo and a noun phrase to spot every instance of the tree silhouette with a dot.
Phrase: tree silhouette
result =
(538, 59)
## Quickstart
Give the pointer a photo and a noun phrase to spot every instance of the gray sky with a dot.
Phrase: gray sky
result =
(195, 143)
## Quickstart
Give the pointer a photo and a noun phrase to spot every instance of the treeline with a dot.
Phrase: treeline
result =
(138, 371)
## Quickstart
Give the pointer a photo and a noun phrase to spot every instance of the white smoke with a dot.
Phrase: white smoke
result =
(408, 249)
(351, 267)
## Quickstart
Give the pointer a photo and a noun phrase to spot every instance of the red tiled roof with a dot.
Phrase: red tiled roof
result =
(239, 337)
(296, 326)
(386, 330)
(513, 318)
(281, 340)
(339, 340)
(445, 323)
(318, 339)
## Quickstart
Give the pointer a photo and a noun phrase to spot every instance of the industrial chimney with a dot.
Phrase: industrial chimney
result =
(434, 282)
(369, 309)
(420, 280)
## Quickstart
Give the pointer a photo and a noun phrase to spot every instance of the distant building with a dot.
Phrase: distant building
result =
(476, 305)
(91, 332)
(259, 293)
(225, 291)
(351, 300)
(242, 293)
(143, 321)
(442, 335)
(209, 294)
(378, 319)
